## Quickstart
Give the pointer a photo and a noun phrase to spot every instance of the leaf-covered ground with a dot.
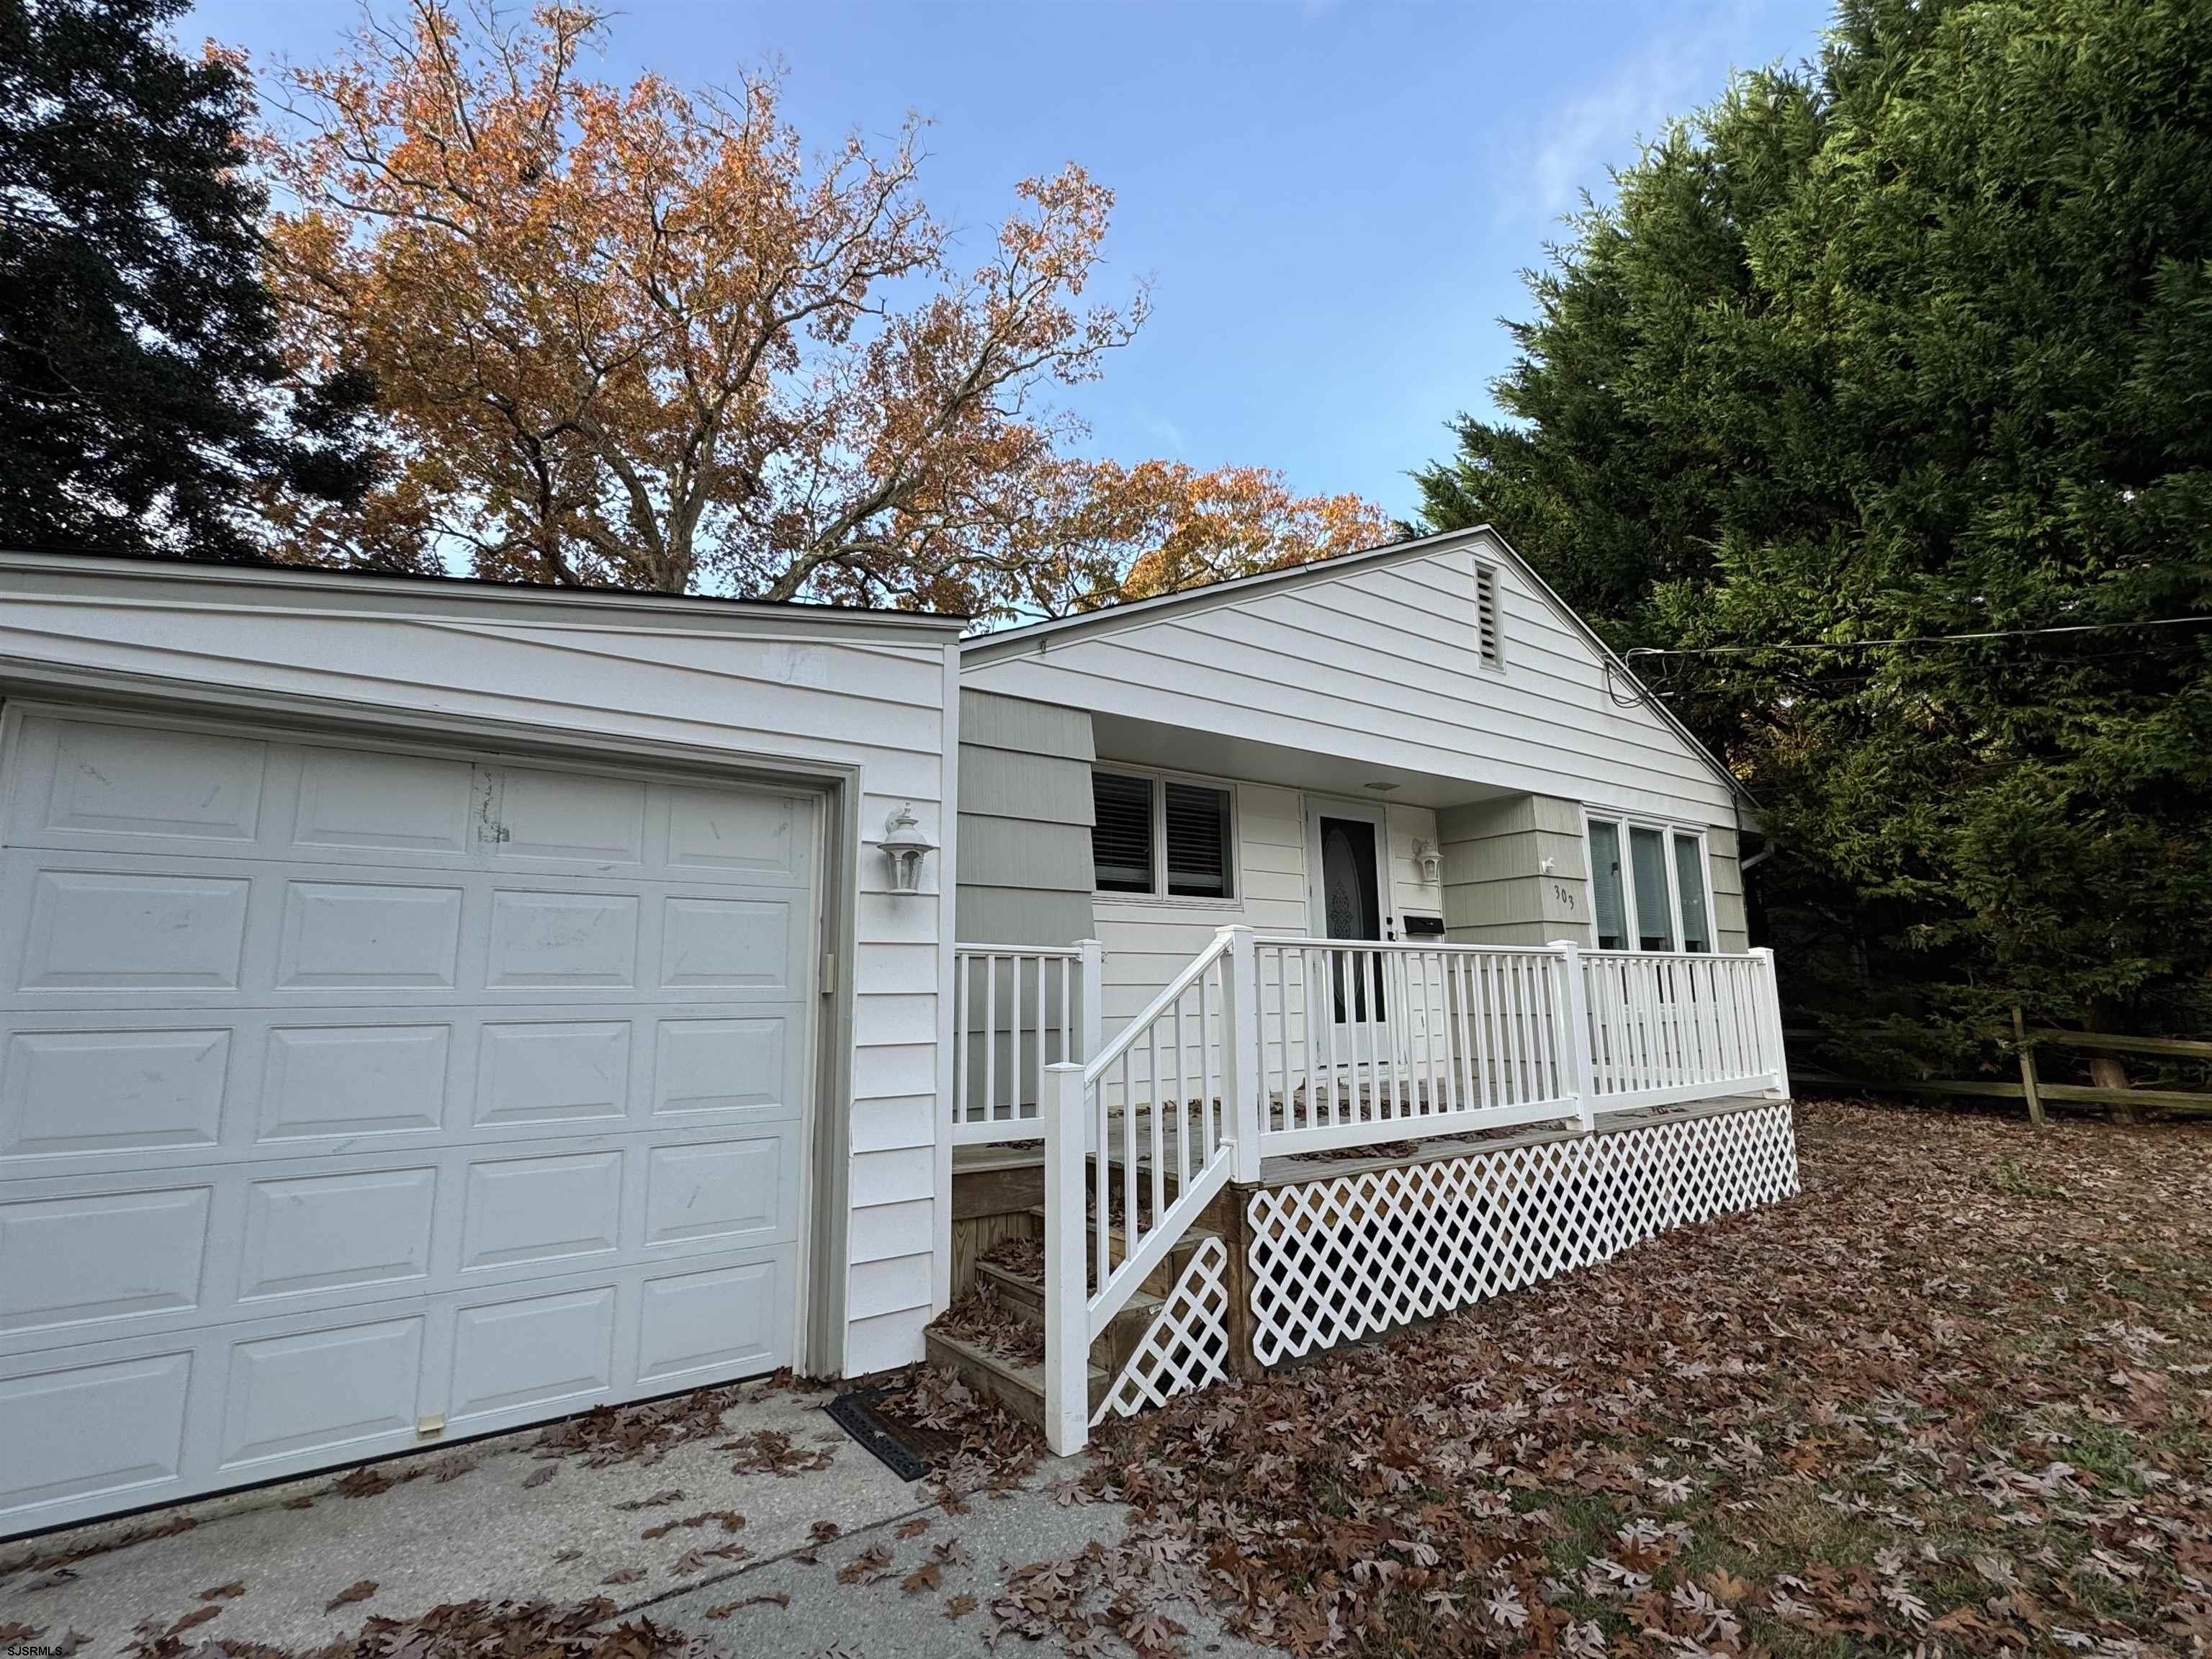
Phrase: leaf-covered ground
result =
(1956, 1398)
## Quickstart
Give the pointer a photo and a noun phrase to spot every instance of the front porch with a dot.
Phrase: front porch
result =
(1302, 1142)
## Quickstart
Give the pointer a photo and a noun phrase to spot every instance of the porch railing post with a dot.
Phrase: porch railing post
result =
(1578, 1032)
(1067, 1299)
(1094, 1001)
(1770, 994)
(1242, 1075)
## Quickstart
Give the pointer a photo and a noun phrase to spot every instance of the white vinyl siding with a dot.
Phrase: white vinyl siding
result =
(1380, 664)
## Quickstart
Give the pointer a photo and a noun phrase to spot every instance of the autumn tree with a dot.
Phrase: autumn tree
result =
(636, 336)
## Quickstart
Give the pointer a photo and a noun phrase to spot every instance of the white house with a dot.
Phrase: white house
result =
(427, 1008)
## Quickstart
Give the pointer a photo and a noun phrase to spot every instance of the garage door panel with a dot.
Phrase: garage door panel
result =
(552, 1072)
(550, 940)
(79, 1093)
(81, 1434)
(713, 1321)
(728, 1068)
(725, 944)
(320, 1081)
(75, 1260)
(569, 817)
(90, 783)
(746, 832)
(369, 1230)
(114, 930)
(727, 1193)
(353, 802)
(543, 1208)
(99, 930)
(362, 1086)
(321, 1393)
(369, 936)
(122, 1422)
(550, 1354)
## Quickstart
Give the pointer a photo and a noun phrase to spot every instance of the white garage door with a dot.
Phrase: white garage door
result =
(345, 1090)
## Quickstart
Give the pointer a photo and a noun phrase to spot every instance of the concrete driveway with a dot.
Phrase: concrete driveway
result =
(778, 1533)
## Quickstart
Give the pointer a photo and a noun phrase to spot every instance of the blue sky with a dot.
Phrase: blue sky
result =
(1333, 200)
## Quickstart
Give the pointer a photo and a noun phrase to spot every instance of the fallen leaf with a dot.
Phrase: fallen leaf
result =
(865, 1569)
(771, 1598)
(623, 1575)
(360, 1590)
(196, 1616)
(224, 1592)
(914, 1528)
(927, 1576)
(960, 1606)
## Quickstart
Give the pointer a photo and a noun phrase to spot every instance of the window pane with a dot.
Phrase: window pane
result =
(1647, 854)
(1605, 885)
(1199, 855)
(1690, 882)
(1122, 839)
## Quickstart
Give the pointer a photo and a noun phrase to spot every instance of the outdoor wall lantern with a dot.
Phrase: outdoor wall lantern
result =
(904, 849)
(1430, 857)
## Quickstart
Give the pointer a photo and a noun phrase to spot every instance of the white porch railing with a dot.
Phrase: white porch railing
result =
(1264, 1047)
(1016, 1009)
(1367, 1043)
(1197, 1033)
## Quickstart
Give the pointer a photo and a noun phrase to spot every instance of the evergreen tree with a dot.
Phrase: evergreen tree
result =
(1913, 340)
(142, 404)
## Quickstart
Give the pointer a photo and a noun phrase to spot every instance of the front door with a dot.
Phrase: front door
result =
(1349, 898)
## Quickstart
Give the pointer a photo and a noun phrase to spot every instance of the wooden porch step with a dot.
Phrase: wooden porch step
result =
(1025, 1297)
(1162, 1280)
(1018, 1388)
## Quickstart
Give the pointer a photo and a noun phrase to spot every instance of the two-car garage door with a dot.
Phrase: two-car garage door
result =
(354, 1095)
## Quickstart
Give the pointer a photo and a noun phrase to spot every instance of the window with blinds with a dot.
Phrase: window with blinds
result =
(1198, 858)
(1638, 897)
(1122, 835)
(1489, 624)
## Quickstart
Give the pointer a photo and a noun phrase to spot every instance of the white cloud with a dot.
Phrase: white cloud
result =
(1572, 148)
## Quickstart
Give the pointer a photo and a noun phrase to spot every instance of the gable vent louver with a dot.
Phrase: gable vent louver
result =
(1489, 625)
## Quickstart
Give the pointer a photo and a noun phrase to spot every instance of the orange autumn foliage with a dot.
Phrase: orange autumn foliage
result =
(638, 337)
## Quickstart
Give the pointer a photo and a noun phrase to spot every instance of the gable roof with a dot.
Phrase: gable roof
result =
(1005, 642)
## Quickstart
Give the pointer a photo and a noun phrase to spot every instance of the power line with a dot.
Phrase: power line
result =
(1642, 696)
(1635, 652)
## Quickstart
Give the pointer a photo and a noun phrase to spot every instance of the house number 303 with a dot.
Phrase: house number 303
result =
(1563, 896)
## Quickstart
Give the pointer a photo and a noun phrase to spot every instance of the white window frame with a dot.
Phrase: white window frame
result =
(1158, 893)
(1669, 829)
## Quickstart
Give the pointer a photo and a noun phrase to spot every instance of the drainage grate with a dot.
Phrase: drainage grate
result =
(856, 1413)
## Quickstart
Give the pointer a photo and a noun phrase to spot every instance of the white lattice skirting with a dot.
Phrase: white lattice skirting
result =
(1341, 1258)
(1187, 1347)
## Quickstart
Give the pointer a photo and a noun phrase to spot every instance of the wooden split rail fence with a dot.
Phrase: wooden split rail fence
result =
(2032, 1089)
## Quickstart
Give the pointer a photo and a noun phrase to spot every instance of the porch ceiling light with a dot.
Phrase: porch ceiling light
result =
(1430, 859)
(904, 849)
